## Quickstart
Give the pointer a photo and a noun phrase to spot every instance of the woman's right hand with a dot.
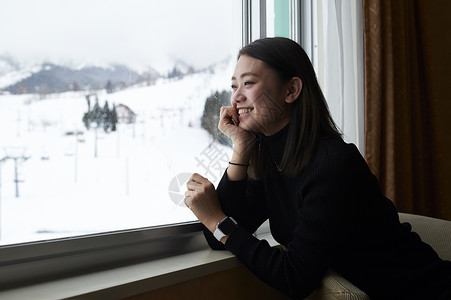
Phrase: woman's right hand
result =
(229, 125)
(243, 142)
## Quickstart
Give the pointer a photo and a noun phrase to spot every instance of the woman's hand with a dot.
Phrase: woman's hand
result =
(201, 198)
(228, 124)
(243, 142)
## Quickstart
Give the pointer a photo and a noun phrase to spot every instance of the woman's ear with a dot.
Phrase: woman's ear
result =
(294, 89)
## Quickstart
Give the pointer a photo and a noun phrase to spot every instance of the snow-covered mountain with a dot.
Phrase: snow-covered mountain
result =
(57, 77)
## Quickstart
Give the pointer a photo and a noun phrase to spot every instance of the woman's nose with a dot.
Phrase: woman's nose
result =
(238, 97)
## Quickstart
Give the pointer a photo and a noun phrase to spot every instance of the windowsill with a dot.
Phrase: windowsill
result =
(133, 279)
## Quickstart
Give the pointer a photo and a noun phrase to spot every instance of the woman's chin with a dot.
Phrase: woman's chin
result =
(249, 127)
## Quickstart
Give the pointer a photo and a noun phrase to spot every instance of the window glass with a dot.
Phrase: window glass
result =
(277, 18)
(106, 108)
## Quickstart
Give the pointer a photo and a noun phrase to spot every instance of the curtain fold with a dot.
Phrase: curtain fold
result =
(343, 66)
(407, 107)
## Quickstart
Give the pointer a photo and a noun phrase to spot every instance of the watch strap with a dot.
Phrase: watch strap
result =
(224, 228)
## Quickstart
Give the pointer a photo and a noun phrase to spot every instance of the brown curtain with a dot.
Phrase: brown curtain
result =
(408, 105)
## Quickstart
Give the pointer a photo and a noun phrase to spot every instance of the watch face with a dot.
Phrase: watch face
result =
(227, 225)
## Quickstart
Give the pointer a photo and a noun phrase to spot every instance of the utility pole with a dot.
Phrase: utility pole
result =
(17, 154)
(16, 173)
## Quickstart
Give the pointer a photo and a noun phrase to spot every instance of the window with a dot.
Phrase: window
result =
(49, 157)
(105, 109)
(84, 185)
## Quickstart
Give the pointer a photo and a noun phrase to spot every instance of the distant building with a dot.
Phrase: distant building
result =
(125, 114)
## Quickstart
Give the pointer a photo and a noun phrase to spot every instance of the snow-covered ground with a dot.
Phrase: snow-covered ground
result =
(65, 191)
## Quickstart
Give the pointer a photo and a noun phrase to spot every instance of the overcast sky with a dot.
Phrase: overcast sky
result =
(135, 32)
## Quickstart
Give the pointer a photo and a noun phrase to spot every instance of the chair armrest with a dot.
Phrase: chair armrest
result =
(433, 231)
(335, 287)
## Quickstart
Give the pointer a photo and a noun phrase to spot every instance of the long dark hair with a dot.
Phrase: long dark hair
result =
(310, 119)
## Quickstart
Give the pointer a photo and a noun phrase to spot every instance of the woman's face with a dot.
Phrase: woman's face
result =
(259, 97)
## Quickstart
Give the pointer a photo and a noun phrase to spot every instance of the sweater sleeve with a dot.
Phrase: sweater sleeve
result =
(323, 220)
(243, 200)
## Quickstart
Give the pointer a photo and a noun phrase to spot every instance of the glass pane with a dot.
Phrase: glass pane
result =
(278, 18)
(106, 107)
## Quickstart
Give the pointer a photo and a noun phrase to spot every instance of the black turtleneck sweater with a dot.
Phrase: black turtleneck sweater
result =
(332, 215)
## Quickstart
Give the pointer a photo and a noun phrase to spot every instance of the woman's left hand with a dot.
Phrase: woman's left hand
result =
(201, 198)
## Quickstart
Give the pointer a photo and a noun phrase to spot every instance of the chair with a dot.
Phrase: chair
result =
(435, 232)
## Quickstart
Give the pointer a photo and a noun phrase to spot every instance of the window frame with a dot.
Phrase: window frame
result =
(33, 262)
(40, 261)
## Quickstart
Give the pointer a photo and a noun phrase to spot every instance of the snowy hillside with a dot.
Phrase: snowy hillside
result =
(63, 190)
(11, 71)
(52, 77)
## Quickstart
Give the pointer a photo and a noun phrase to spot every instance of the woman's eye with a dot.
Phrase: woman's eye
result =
(246, 83)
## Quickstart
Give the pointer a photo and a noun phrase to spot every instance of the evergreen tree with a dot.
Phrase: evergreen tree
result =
(114, 119)
(109, 87)
(106, 116)
(88, 100)
(102, 117)
(86, 119)
(175, 73)
(75, 86)
(210, 117)
(96, 115)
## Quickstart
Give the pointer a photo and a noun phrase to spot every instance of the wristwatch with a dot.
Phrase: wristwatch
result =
(224, 228)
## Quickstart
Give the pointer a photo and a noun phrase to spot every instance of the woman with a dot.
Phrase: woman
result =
(291, 166)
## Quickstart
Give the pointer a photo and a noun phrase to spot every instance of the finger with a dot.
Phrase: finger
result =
(188, 200)
(192, 182)
(228, 115)
(192, 185)
(227, 111)
(197, 178)
(235, 118)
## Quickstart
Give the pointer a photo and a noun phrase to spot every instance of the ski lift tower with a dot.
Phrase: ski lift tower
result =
(17, 154)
